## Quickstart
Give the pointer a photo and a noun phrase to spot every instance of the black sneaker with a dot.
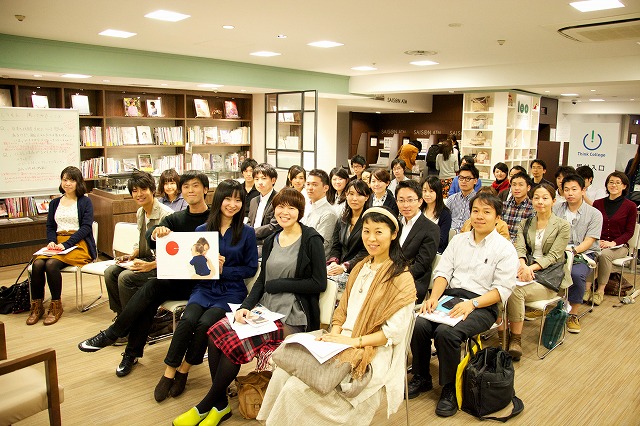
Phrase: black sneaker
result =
(447, 405)
(419, 384)
(126, 365)
(95, 343)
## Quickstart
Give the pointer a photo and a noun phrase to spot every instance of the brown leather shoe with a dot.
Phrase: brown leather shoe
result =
(37, 311)
(55, 312)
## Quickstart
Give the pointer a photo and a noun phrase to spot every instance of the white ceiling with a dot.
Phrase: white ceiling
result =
(372, 31)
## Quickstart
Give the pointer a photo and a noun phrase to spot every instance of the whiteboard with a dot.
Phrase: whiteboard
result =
(35, 145)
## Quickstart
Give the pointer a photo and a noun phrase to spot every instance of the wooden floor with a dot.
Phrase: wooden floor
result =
(592, 379)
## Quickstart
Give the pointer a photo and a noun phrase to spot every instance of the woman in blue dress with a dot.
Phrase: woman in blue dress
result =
(210, 298)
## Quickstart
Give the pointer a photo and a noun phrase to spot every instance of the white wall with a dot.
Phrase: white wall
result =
(257, 128)
(327, 134)
(342, 139)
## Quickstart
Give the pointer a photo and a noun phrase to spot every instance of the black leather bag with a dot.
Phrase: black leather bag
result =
(487, 385)
(15, 299)
(551, 277)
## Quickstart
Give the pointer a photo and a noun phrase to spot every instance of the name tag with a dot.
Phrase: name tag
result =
(636, 188)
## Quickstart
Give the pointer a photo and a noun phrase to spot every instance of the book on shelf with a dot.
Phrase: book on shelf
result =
(144, 162)
(91, 136)
(168, 135)
(81, 103)
(92, 168)
(3, 209)
(42, 205)
(5, 98)
(129, 164)
(132, 107)
(225, 136)
(231, 109)
(144, 135)
(210, 135)
(154, 107)
(171, 162)
(17, 207)
(202, 108)
(39, 101)
(128, 135)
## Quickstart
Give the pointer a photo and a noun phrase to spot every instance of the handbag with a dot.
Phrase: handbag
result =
(478, 139)
(479, 122)
(16, 298)
(552, 276)
(251, 389)
(613, 285)
(488, 385)
(480, 103)
(554, 323)
(471, 343)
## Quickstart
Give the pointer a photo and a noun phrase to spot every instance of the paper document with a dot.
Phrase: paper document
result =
(521, 283)
(51, 252)
(441, 313)
(263, 321)
(322, 351)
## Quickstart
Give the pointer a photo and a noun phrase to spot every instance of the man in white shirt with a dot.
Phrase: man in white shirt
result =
(397, 168)
(320, 215)
(261, 213)
(479, 268)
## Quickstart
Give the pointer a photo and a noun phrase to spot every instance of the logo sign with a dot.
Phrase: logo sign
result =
(594, 143)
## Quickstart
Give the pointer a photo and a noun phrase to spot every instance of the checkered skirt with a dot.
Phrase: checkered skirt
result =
(243, 351)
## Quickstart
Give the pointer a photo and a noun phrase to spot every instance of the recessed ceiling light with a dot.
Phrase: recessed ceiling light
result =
(167, 15)
(569, 94)
(243, 90)
(593, 90)
(364, 68)
(451, 91)
(325, 44)
(265, 53)
(163, 84)
(423, 63)
(547, 91)
(117, 33)
(411, 110)
(281, 36)
(228, 27)
(37, 75)
(377, 112)
(75, 76)
(593, 5)
(209, 86)
(106, 81)
(596, 100)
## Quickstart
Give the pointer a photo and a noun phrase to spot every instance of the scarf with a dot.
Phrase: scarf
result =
(384, 298)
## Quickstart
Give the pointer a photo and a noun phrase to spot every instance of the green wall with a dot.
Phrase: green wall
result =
(35, 54)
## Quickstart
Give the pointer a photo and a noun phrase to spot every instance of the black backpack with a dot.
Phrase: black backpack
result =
(432, 153)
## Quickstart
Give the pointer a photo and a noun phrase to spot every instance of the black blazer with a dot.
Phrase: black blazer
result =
(389, 202)
(420, 249)
(347, 249)
(269, 224)
(310, 278)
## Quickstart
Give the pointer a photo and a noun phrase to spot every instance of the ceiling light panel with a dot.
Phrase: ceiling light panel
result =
(167, 15)
(593, 5)
(117, 33)
(325, 44)
(423, 63)
(75, 76)
(265, 53)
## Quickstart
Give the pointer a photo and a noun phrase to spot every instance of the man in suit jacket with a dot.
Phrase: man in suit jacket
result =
(261, 213)
(419, 237)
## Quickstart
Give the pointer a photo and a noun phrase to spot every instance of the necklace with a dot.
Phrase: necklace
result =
(366, 275)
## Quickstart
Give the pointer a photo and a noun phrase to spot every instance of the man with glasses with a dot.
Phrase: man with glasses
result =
(458, 203)
(419, 237)
(586, 227)
(538, 169)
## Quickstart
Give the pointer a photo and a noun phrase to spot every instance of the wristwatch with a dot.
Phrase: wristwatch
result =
(475, 303)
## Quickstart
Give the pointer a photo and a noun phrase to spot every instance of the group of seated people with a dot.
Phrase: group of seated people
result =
(331, 225)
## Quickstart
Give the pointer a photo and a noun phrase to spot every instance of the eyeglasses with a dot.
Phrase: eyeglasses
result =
(614, 183)
(465, 178)
(406, 201)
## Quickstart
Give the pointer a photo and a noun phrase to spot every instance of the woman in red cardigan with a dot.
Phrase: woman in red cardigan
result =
(619, 220)
(501, 172)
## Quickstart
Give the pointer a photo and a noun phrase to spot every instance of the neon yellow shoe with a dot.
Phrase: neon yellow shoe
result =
(216, 417)
(190, 418)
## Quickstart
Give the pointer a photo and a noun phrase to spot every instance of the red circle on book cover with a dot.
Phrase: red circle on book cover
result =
(172, 248)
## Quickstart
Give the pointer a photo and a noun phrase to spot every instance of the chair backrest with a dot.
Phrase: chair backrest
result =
(633, 242)
(328, 302)
(249, 282)
(94, 229)
(125, 236)
(435, 262)
(452, 233)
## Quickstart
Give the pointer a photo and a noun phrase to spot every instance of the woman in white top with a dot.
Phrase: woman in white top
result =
(336, 196)
(69, 224)
(547, 237)
(373, 317)
(447, 164)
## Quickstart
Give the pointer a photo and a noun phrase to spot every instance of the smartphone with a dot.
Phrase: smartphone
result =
(449, 304)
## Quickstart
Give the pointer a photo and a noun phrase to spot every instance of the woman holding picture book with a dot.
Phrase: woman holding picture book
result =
(372, 318)
(292, 276)
(69, 224)
(238, 259)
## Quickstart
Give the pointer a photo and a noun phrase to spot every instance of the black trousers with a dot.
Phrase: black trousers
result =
(190, 337)
(447, 339)
(137, 316)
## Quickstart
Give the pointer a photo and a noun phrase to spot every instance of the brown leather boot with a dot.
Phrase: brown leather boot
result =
(37, 311)
(55, 312)
(515, 346)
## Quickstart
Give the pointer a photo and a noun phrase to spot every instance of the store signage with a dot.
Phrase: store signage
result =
(594, 145)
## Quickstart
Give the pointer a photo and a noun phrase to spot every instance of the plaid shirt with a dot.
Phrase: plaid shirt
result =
(513, 213)
(459, 206)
